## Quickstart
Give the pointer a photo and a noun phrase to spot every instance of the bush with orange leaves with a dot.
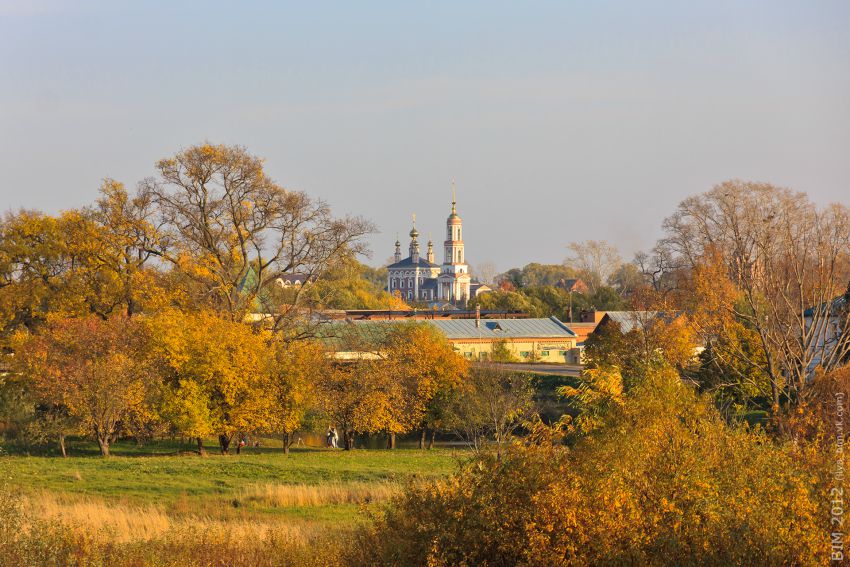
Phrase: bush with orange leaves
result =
(664, 482)
(813, 422)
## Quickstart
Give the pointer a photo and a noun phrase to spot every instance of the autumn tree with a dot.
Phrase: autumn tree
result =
(91, 260)
(36, 265)
(786, 261)
(505, 301)
(233, 232)
(121, 246)
(387, 382)
(598, 391)
(216, 375)
(350, 395)
(732, 366)
(491, 402)
(298, 366)
(425, 365)
(646, 339)
(348, 284)
(96, 368)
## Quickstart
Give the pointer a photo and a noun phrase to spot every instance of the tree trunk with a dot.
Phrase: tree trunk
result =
(431, 442)
(224, 443)
(287, 442)
(391, 441)
(422, 439)
(201, 451)
(62, 445)
(349, 440)
(103, 443)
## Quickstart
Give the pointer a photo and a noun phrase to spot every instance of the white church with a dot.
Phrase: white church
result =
(419, 278)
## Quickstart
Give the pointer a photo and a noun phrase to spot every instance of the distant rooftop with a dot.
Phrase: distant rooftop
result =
(408, 262)
(503, 328)
(630, 320)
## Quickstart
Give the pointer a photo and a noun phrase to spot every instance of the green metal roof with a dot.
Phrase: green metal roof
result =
(550, 328)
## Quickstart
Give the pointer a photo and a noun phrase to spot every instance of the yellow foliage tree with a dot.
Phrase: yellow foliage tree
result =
(388, 389)
(298, 367)
(216, 373)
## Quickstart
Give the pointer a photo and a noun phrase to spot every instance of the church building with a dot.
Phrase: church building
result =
(418, 278)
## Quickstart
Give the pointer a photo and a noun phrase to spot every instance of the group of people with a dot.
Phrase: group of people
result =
(332, 438)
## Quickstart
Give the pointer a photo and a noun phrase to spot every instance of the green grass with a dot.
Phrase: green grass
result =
(213, 486)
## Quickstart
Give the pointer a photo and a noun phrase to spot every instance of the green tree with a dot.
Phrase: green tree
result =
(352, 285)
(490, 402)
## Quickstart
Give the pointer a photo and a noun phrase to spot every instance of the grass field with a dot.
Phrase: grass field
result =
(149, 493)
(221, 485)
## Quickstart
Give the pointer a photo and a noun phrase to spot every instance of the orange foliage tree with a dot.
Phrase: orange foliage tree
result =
(96, 368)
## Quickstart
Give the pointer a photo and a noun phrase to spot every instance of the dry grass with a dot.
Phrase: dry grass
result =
(45, 530)
(122, 523)
(66, 528)
(296, 495)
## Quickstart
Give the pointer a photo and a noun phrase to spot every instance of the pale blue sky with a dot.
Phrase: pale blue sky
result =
(560, 121)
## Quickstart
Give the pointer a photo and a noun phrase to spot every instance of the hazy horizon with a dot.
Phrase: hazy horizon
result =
(558, 121)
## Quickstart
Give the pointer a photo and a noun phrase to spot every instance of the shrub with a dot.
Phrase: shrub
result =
(664, 481)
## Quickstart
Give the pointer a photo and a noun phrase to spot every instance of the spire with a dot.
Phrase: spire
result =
(397, 256)
(430, 255)
(414, 244)
(454, 199)
(413, 232)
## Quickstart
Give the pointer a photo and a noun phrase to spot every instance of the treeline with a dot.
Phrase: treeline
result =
(162, 312)
(760, 275)
(198, 375)
(539, 290)
(594, 276)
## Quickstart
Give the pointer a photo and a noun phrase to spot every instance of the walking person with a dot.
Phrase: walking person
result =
(335, 439)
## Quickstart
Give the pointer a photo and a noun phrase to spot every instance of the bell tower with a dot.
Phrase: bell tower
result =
(454, 235)
(454, 278)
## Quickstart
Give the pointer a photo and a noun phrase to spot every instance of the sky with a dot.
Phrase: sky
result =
(560, 121)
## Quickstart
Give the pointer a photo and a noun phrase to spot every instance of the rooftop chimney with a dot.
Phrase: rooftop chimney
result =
(477, 316)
